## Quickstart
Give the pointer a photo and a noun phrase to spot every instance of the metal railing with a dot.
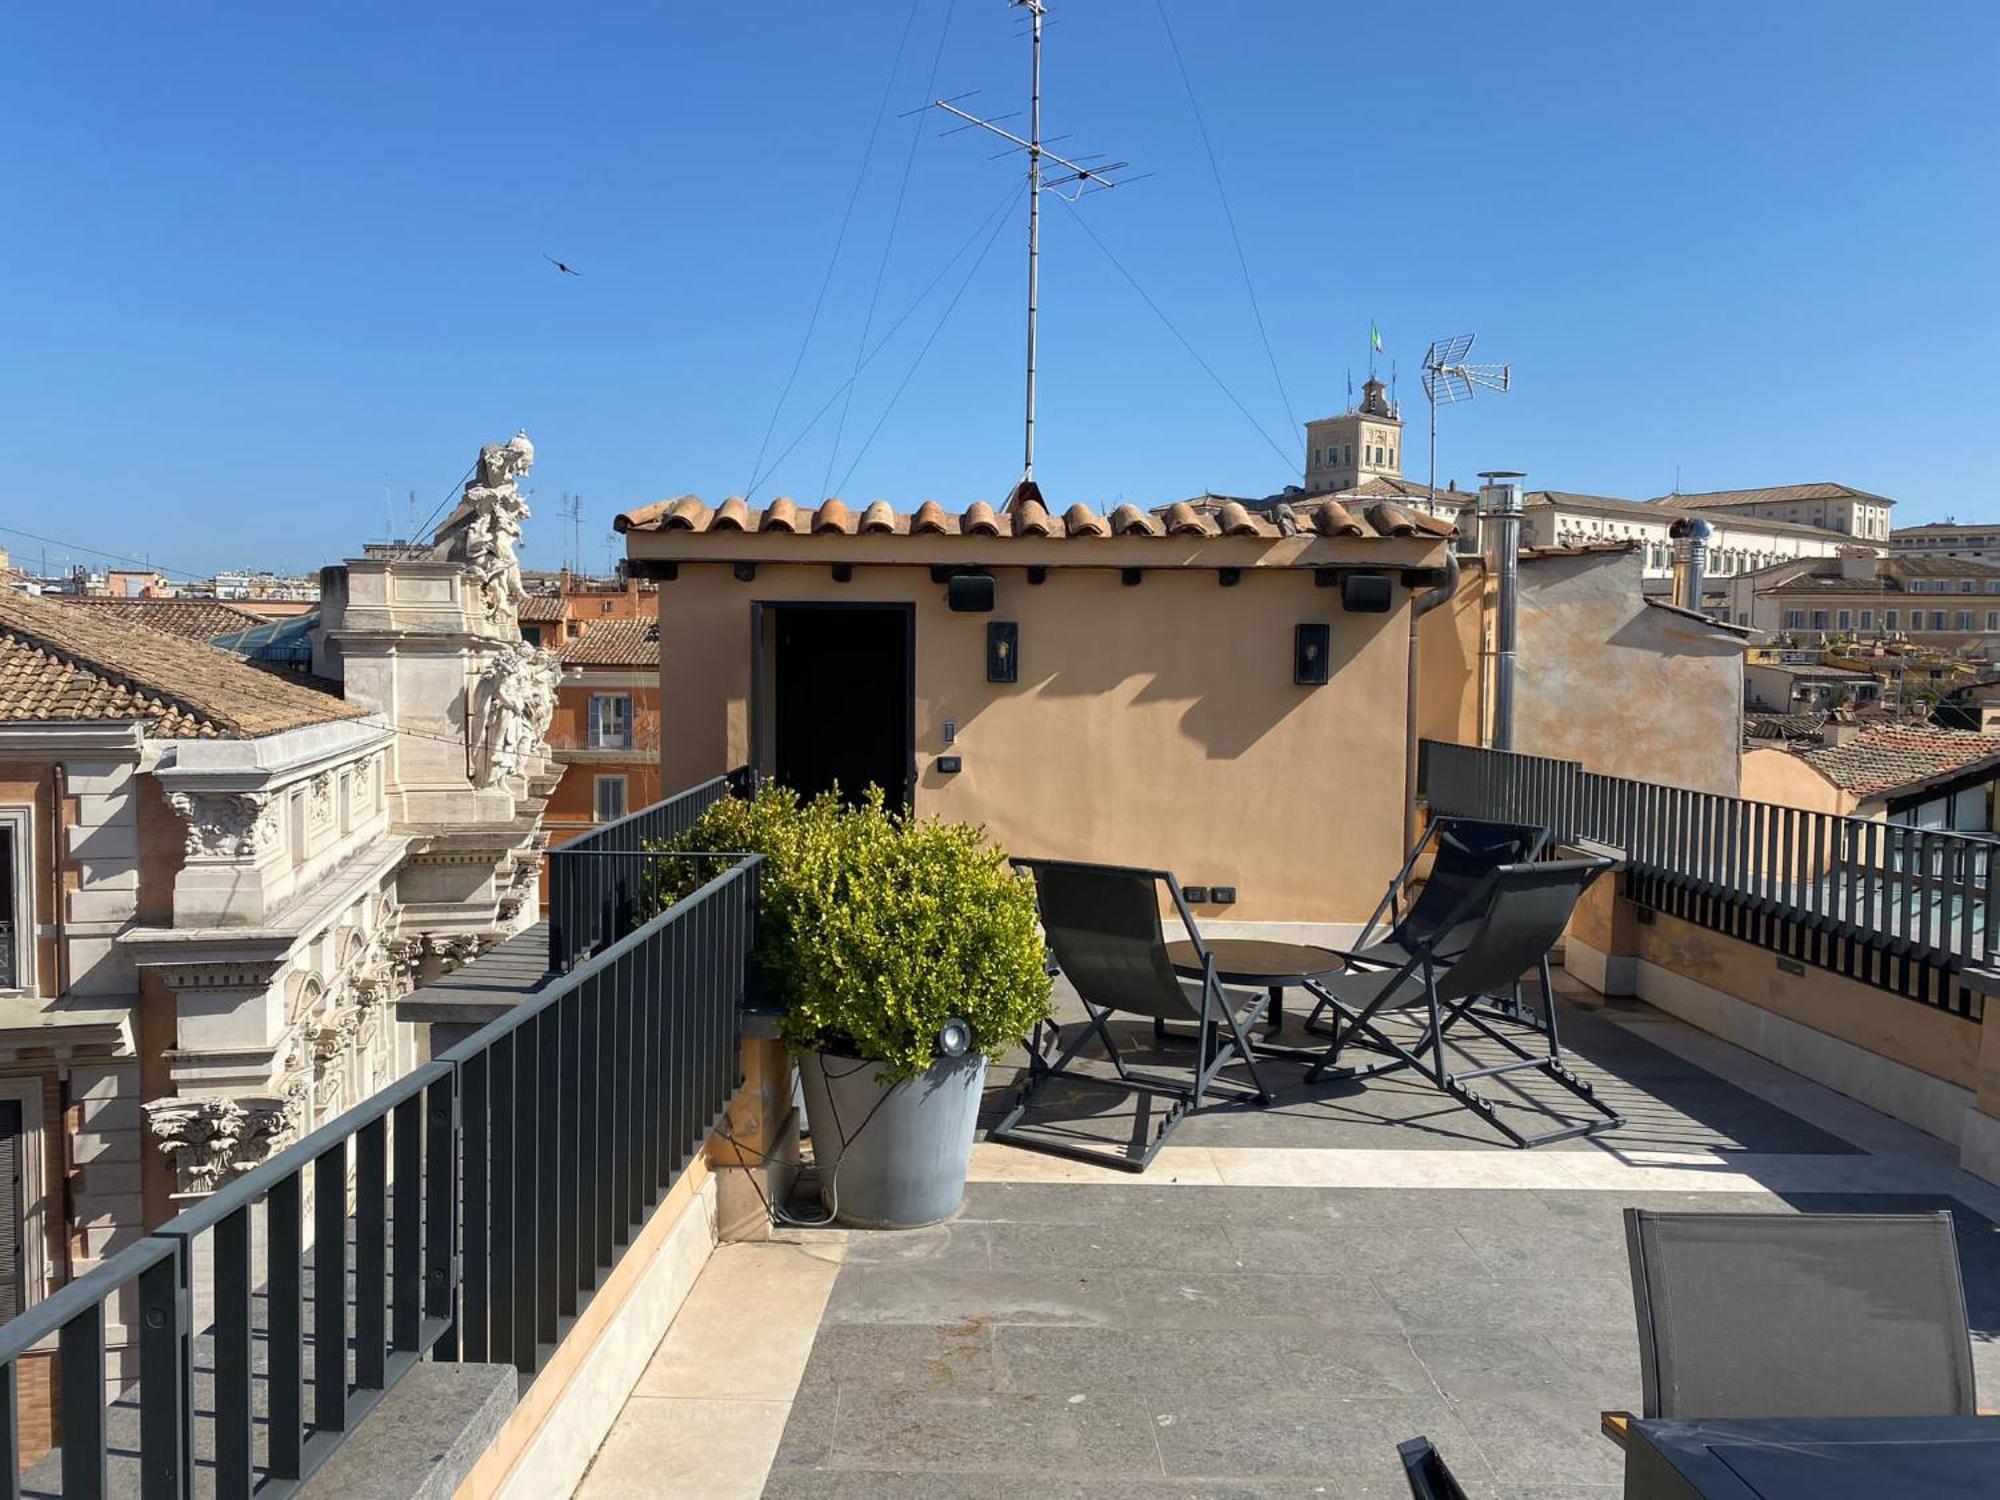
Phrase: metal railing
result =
(1909, 910)
(596, 880)
(467, 1211)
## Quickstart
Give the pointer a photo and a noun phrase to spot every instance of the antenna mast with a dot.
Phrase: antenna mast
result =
(1085, 179)
(1448, 379)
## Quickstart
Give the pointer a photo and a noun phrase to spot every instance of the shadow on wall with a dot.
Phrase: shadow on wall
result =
(1236, 693)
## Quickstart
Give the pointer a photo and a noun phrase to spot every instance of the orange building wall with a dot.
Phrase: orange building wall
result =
(570, 810)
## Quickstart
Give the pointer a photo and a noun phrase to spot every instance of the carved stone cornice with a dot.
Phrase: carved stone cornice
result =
(227, 825)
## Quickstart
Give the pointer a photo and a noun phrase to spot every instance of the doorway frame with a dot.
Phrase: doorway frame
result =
(762, 725)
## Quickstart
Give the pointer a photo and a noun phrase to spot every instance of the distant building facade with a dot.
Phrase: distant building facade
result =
(1975, 543)
(1948, 604)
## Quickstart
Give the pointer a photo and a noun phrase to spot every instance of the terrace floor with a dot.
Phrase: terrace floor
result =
(1268, 1311)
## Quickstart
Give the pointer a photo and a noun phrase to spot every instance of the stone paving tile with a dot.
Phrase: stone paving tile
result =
(1552, 1439)
(1349, 1249)
(879, 1484)
(1278, 1434)
(1500, 1303)
(959, 1243)
(944, 1357)
(1486, 1366)
(1114, 1246)
(920, 1294)
(1173, 1299)
(1095, 1433)
(1202, 1361)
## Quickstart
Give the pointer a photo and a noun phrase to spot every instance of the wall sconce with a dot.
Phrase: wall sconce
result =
(1312, 645)
(1003, 651)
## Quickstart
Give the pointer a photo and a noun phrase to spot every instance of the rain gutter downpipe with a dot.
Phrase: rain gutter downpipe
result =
(1420, 605)
(1500, 537)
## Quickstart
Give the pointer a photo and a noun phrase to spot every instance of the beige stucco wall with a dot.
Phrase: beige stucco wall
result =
(1602, 677)
(1155, 724)
(1782, 777)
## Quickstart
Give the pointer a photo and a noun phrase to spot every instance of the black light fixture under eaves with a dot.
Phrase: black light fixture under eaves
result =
(970, 593)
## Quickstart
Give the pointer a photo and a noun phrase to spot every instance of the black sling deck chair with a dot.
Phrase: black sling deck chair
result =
(1467, 851)
(1505, 926)
(1103, 925)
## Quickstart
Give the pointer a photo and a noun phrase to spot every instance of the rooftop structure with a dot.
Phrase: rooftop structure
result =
(192, 619)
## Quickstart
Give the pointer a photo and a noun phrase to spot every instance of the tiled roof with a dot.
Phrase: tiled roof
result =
(1649, 510)
(1770, 726)
(63, 664)
(543, 608)
(1889, 578)
(1772, 494)
(1881, 760)
(614, 643)
(190, 619)
(1309, 516)
(1945, 528)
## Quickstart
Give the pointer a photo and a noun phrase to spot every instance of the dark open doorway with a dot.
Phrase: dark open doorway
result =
(837, 699)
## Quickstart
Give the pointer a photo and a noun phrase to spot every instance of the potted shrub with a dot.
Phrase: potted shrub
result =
(889, 942)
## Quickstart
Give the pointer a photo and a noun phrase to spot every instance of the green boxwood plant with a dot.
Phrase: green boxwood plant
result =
(877, 928)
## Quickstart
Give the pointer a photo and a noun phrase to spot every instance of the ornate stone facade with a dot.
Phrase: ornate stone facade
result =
(486, 531)
(227, 825)
(517, 699)
(210, 1141)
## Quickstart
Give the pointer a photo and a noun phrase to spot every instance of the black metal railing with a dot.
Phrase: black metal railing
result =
(596, 880)
(1909, 910)
(468, 1211)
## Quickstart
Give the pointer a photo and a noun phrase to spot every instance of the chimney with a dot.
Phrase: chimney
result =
(1690, 536)
(1858, 565)
(1839, 732)
(1500, 533)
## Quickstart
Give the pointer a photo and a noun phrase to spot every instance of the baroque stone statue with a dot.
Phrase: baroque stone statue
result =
(517, 699)
(485, 531)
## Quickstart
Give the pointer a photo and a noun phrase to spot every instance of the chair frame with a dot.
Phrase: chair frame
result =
(1360, 1028)
(1426, 1472)
(1390, 911)
(1049, 1057)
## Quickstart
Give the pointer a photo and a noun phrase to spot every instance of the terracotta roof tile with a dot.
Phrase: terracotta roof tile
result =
(190, 619)
(614, 643)
(1882, 759)
(1129, 520)
(544, 609)
(62, 664)
(1028, 517)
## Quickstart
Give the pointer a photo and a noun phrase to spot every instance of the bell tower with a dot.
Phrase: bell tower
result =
(1356, 446)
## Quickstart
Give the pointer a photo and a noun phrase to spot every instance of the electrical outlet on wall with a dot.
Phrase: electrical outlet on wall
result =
(1223, 895)
(1196, 893)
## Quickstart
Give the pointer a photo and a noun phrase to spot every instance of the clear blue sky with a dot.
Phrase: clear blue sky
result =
(264, 261)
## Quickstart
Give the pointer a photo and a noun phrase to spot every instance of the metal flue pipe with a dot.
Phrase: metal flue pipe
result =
(1500, 538)
(1421, 604)
(1690, 537)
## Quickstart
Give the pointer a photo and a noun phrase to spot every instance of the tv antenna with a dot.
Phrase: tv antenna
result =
(1448, 379)
(1086, 174)
(572, 511)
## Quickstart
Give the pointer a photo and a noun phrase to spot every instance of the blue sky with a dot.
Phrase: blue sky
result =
(266, 262)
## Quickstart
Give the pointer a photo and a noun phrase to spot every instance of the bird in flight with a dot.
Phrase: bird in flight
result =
(560, 266)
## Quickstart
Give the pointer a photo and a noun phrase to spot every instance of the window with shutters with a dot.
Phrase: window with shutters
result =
(17, 884)
(610, 797)
(610, 721)
(13, 1212)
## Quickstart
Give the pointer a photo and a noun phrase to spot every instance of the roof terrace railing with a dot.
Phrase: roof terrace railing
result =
(1909, 910)
(597, 879)
(468, 1211)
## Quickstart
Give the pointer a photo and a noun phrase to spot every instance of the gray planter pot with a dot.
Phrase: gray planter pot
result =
(891, 1157)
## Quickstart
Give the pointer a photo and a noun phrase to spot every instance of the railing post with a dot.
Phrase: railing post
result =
(165, 1377)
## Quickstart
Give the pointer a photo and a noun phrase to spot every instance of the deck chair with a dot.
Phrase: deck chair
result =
(1103, 925)
(1812, 1315)
(1503, 928)
(1424, 1467)
(1467, 851)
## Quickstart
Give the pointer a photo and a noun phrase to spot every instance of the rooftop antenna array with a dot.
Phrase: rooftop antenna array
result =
(1086, 174)
(572, 511)
(1448, 379)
